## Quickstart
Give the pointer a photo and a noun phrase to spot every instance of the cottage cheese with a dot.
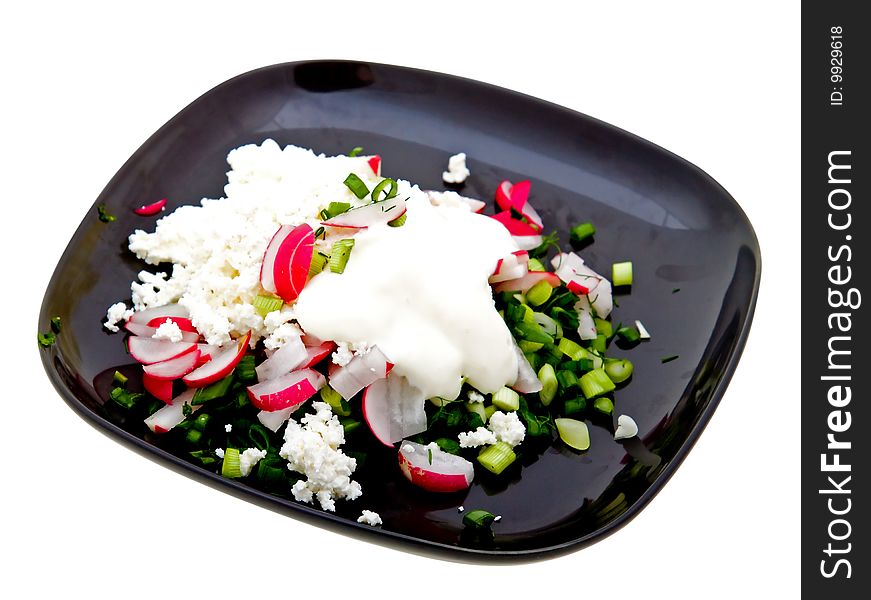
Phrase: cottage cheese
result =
(457, 171)
(217, 248)
(168, 330)
(312, 448)
(228, 427)
(479, 437)
(219, 452)
(369, 518)
(117, 312)
(507, 427)
(475, 396)
(249, 459)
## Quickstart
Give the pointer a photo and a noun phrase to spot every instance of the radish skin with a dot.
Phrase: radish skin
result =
(444, 473)
(174, 367)
(219, 366)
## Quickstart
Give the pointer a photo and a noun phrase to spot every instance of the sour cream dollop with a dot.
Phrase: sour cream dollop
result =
(420, 293)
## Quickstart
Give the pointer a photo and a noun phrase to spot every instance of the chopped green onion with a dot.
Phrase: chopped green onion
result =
(573, 433)
(124, 398)
(535, 265)
(539, 293)
(321, 232)
(506, 399)
(193, 436)
(349, 425)
(55, 324)
(599, 344)
(335, 400)
(528, 314)
(675, 290)
(259, 436)
(214, 391)
(604, 327)
(119, 378)
(245, 370)
(575, 405)
(186, 410)
(618, 370)
(266, 303)
(549, 383)
(629, 334)
(604, 405)
(527, 346)
(567, 379)
(595, 383)
(478, 519)
(46, 339)
(398, 221)
(532, 332)
(355, 151)
(571, 349)
(356, 185)
(201, 421)
(205, 457)
(488, 412)
(581, 232)
(568, 319)
(477, 408)
(534, 360)
(669, 358)
(231, 467)
(339, 257)
(103, 215)
(621, 273)
(497, 457)
(319, 261)
(391, 193)
(337, 208)
(448, 445)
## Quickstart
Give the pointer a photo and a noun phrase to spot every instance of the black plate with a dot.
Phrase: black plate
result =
(678, 226)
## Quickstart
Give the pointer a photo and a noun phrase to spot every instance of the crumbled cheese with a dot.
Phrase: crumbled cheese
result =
(282, 335)
(219, 452)
(369, 518)
(360, 348)
(507, 427)
(228, 427)
(479, 437)
(461, 508)
(475, 396)
(312, 448)
(168, 330)
(450, 199)
(626, 428)
(217, 248)
(117, 312)
(343, 354)
(249, 458)
(497, 518)
(457, 171)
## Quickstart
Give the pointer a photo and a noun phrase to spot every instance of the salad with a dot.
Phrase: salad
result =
(320, 309)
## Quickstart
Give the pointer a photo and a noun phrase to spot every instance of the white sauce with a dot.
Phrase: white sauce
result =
(420, 293)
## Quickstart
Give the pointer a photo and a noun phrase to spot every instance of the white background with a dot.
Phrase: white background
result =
(83, 88)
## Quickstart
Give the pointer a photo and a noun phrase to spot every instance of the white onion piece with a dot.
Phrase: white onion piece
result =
(284, 360)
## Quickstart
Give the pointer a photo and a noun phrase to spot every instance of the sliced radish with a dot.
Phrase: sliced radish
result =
(527, 382)
(567, 259)
(316, 354)
(508, 274)
(152, 209)
(220, 366)
(274, 419)
(292, 262)
(433, 469)
(148, 331)
(147, 350)
(527, 242)
(516, 197)
(284, 360)
(522, 284)
(510, 267)
(286, 391)
(207, 351)
(267, 267)
(477, 206)
(369, 214)
(503, 195)
(375, 164)
(167, 310)
(159, 388)
(363, 370)
(586, 324)
(183, 323)
(174, 367)
(516, 227)
(602, 299)
(172, 414)
(394, 409)
(310, 340)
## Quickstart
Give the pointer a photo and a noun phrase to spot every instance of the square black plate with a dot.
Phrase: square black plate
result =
(677, 225)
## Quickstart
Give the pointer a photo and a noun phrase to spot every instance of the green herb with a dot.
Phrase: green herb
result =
(356, 185)
(124, 398)
(548, 241)
(118, 378)
(669, 358)
(46, 339)
(341, 252)
(338, 208)
(355, 151)
(186, 409)
(55, 324)
(104, 216)
(394, 189)
(478, 519)
(429, 455)
(245, 370)
(582, 232)
(675, 290)
(398, 221)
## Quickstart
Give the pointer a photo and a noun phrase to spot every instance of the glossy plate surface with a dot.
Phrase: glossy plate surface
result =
(677, 225)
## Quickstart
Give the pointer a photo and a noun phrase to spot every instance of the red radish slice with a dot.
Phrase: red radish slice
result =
(284, 360)
(318, 353)
(515, 272)
(148, 332)
(274, 419)
(503, 195)
(528, 242)
(369, 214)
(522, 284)
(394, 409)
(168, 310)
(286, 391)
(267, 267)
(516, 197)
(375, 165)
(183, 323)
(515, 227)
(443, 473)
(172, 414)
(174, 367)
(309, 340)
(149, 210)
(159, 388)
(220, 366)
(207, 351)
(363, 370)
(586, 324)
(293, 261)
(527, 382)
(567, 259)
(147, 350)
(522, 256)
